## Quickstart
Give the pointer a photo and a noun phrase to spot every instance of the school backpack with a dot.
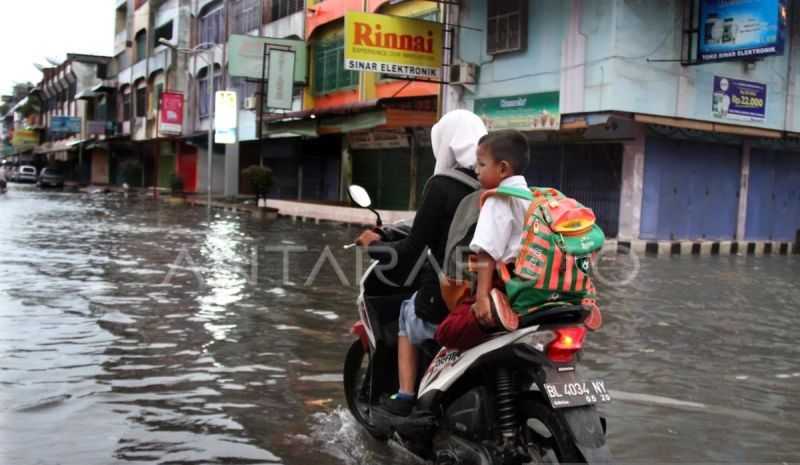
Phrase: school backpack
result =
(560, 241)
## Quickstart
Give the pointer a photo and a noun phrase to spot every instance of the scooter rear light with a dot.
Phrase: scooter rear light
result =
(568, 342)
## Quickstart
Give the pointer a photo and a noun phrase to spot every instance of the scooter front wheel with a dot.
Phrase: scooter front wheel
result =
(356, 375)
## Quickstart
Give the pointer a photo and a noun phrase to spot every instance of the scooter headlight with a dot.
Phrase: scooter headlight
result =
(538, 340)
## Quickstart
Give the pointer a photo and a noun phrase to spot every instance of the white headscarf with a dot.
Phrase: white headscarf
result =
(455, 140)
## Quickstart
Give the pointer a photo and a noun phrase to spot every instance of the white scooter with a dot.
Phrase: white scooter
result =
(516, 398)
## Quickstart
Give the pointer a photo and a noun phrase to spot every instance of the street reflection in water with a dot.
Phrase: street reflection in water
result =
(137, 332)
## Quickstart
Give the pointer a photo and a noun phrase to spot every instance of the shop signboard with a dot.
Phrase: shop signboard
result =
(96, 128)
(65, 125)
(741, 29)
(246, 56)
(739, 100)
(280, 80)
(378, 139)
(529, 112)
(24, 139)
(226, 116)
(393, 45)
(170, 120)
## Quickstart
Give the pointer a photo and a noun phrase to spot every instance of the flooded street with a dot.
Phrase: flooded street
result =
(138, 332)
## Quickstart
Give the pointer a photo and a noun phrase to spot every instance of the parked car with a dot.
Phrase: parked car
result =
(51, 177)
(26, 173)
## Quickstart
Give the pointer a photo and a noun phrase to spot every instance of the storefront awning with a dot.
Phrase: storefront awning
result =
(344, 119)
(708, 126)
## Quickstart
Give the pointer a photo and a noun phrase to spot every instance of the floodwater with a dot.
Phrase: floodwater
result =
(134, 332)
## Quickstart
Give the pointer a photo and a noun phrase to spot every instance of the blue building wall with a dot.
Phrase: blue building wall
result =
(618, 38)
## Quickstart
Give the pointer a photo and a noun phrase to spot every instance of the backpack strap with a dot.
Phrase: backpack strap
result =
(459, 176)
(505, 191)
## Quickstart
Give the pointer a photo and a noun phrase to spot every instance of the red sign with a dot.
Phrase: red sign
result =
(171, 114)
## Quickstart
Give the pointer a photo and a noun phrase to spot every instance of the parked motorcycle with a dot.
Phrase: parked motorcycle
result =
(516, 398)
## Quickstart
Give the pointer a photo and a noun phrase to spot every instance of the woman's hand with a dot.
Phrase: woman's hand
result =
(367, 237)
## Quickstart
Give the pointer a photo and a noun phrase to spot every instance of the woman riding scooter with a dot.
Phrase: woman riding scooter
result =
(454, 139)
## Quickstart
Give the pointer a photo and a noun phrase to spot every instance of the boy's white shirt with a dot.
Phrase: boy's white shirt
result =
(499, 229)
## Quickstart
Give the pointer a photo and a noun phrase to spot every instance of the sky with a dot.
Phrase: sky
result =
(31, 30)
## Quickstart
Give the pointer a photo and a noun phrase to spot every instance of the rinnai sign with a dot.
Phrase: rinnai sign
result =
(393, 45)
(741, 29)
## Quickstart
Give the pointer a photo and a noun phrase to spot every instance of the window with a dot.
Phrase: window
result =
(329, 73)
(141, 45)
(212, 26)
(277, 9)
(155, 102)
(244, 89)
(141, 102)
(507, 26)
(126, 104)
(203, 99)
(244, 16)
(163, 32)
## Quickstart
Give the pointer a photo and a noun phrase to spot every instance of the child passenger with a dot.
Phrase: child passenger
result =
(503, 157)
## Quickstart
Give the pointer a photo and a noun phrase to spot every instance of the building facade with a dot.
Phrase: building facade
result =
(635, 122)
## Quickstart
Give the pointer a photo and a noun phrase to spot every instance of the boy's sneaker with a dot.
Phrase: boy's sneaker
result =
(398, 404)
(504, 316)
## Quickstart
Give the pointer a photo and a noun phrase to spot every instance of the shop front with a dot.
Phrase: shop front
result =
(773, 203)
(691, 190)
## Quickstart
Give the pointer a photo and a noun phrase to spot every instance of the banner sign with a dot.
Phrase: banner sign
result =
(246, 55)
(170, 115)
(65, 125)
(226, 117)
(24, 139)
(378, 139)
(96, 128)
(741, 29)
(280, 80)
(523, 112)
(393, 45)
(739, 100)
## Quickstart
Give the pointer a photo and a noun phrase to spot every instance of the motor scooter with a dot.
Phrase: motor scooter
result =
(516, 398)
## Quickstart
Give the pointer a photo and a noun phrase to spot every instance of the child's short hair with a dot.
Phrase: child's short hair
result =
(510, 146)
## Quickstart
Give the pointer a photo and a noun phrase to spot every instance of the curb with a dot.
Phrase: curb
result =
(704, 248)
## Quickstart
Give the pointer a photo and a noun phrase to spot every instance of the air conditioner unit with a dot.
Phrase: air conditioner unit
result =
(463, 73)
(250, 103)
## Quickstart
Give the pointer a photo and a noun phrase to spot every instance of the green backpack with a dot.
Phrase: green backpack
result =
(560, 241)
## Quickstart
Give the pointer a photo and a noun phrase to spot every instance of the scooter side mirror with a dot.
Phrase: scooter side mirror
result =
(360, 196)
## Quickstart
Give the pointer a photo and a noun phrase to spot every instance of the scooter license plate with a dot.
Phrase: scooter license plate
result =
(576, 393)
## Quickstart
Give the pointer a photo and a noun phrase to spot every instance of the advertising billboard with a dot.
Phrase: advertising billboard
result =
(393, 45)
(739, 100)
(226, 117)
(170, 118)
(279, 83)
(246, 55)
(65, 125)
(529, 112)
(740, 29)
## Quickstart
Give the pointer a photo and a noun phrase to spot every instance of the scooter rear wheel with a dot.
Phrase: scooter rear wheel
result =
(546, 437)
(356, 385)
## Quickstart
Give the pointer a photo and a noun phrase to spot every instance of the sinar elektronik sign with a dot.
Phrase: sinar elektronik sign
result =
(393, 45)
(737, 29)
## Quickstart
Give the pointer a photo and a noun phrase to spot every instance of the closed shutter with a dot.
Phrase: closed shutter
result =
(691, 190)
(773, 202)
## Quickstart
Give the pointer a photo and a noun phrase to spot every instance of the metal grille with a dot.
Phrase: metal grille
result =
(590, 173)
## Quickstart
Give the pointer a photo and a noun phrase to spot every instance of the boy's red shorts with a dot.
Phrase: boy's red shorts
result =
(460, 330)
